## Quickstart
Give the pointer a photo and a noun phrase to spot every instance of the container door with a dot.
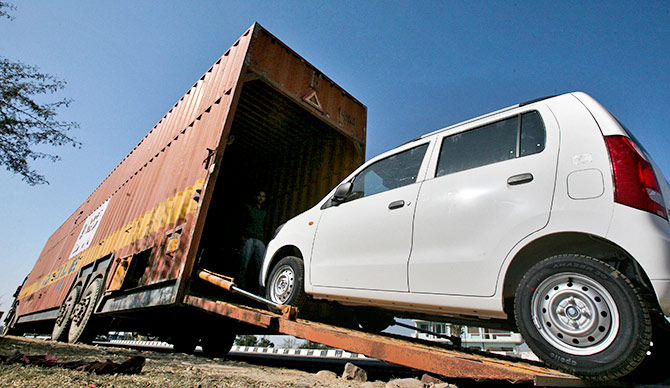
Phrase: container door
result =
(365, 242)
(492, 186)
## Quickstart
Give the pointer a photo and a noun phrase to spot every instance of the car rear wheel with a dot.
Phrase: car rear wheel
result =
(653, 368)
(582, 316)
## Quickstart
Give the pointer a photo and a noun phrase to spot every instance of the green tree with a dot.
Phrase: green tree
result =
(25, 123)
(313, 345)
(265, 343)
(246, 340)
(457, 330)
(5, 8)
(289, 343)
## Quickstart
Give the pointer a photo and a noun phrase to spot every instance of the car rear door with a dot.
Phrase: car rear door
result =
(487, 188)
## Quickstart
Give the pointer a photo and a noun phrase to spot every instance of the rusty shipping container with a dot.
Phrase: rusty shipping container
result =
(261, 117)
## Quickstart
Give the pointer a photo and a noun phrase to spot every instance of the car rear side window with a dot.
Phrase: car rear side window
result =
(532, 134)
(392, 172)
(517, 136)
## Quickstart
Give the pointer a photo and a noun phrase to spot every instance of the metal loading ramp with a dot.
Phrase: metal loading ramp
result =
(433, 359)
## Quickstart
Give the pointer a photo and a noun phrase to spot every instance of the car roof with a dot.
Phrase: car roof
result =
(485, 116)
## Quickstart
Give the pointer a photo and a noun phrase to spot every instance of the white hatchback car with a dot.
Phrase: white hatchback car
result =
(547, 216)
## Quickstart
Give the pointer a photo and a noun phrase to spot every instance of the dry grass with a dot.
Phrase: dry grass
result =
(161, 370)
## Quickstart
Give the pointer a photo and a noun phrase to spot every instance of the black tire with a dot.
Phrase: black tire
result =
(653, 368)
(62, 324)
(286, 284)
(217, 345)
(8, 326)
(373, 321)
(184, 344)
(82, 328)
(582, 316)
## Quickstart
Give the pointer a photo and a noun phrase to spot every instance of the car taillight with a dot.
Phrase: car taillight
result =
(635, 183)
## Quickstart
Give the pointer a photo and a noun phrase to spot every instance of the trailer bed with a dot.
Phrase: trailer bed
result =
(452, 363)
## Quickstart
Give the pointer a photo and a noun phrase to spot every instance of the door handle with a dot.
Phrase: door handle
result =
(396, 204)
(520, 179)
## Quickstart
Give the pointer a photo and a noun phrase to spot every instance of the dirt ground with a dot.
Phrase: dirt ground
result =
(165, 370)
(161, 370)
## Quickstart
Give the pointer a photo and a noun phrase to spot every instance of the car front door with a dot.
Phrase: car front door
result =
(364, 242)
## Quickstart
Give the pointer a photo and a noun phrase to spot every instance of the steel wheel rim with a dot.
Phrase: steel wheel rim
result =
(575, 314)
(82, 311)
(283, 284)
(66, 309)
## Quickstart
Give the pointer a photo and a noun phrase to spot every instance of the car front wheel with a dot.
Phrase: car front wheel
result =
(286, 284)
(583, 316)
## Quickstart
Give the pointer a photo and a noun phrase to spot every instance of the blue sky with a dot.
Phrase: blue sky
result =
(418, 66)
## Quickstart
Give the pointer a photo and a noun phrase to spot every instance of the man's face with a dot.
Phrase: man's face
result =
(260, 197)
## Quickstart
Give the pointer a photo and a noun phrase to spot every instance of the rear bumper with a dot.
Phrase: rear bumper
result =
(646, 238)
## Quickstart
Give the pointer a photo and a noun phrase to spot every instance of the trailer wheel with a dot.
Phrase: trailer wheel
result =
(81, 329)
(184, 344)
(62, 324)
(8, 327)
(583, 316)
(287, 282)
(217, 345)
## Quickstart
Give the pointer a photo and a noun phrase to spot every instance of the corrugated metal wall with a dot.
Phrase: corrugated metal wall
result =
(151, 191)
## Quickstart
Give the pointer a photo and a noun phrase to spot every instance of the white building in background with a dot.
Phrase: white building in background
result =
(490, 340)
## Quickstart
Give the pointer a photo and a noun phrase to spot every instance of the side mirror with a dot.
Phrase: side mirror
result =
(342, 192)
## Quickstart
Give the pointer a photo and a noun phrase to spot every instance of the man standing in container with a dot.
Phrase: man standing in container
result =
(253, 248)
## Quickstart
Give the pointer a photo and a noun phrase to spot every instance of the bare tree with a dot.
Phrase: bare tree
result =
(5, 8)
(25, 123)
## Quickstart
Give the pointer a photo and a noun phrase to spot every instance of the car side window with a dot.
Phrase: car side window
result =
(532, 134)
(514, 137)
(392, 172)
